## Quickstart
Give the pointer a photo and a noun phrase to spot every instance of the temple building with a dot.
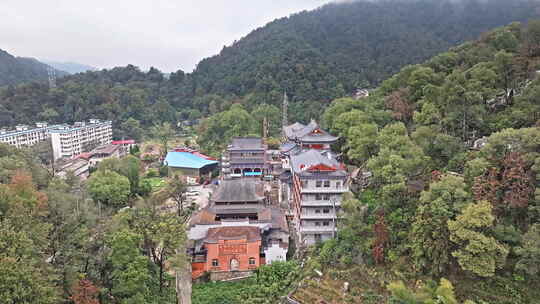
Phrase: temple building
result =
(313, 182)
(245, 157)
(237, 232)
(309, 136)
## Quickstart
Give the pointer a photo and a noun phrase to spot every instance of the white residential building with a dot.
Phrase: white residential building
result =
(68, 141)
(318, 184)
(24, 135)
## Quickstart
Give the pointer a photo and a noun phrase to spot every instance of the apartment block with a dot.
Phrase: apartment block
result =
(24, 135)
(71, 140)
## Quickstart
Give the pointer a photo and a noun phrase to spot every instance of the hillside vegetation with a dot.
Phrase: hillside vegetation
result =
(315, 56)
(436, 208)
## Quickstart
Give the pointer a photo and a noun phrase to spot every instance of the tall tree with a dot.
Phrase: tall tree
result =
(430, 237)
(477, 251)
(109, 188)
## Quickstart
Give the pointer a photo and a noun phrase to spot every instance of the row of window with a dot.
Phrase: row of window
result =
(324, 223)
(323, 211)
(320, 184)
(215, 262)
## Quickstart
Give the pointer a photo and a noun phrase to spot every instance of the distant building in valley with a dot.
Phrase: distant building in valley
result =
(71, 140)
(100, 153)
(24, 135)
(77, 166)
(361, 93)
(237, 232)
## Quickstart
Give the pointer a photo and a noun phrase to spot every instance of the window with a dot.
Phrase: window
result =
(327, 184)
(326, 223)
(317, 223)
(326, 210)
(317, 210)
(326, 197)
(318, 197)
(304, 184)
(338, 185)
(318, 238)
(215, 263)
(318, 184)
(251, 261)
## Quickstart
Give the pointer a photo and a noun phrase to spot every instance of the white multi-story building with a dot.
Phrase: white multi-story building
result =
(68, 141)
(318, 184)
(24, 135)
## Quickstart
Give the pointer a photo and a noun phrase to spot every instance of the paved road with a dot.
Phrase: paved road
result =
(204, 194)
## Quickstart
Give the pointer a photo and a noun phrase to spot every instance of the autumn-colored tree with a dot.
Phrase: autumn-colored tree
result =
(517, 181)
(84, 292)
(399, 105)
(381, 238)
(488, 186)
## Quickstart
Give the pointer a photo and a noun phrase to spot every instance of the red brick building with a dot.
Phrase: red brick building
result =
(233, 248)
(237, 232)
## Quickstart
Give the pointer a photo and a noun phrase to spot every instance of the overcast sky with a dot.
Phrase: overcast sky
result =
(167, 34)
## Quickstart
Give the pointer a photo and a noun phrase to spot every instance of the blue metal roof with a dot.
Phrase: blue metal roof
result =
(187, 160)
(252, 173)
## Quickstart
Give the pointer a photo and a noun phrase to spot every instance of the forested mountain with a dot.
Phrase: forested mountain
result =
(315, 56)
(436, 205)
(69, 67)
(331, 51)
(15, 70)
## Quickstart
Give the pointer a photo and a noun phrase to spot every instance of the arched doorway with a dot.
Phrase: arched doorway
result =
(234, 264)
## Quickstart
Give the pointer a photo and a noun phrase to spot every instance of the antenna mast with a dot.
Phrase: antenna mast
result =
(52, 77)
(265, 128)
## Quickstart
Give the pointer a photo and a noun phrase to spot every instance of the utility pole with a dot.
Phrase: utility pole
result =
(265, 129)
(285, 120)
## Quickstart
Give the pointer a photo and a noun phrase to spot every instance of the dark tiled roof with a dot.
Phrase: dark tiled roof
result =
(247, 143)
(107, 149)
(239, 190)
(273, 216)
(302, 161)
(203, 217)
(298, 131)
(251, 234)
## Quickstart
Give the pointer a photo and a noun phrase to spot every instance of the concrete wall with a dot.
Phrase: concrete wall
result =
(56, 145)
(275, 253)
(220, 276)
(184, 171)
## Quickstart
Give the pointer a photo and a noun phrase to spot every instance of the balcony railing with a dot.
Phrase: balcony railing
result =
(317, 229)
(318, 216)
(309, 203)
(247, 160)
(325, 190)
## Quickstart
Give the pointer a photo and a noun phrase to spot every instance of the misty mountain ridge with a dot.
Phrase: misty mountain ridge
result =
(16, 70)
(70, 67)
